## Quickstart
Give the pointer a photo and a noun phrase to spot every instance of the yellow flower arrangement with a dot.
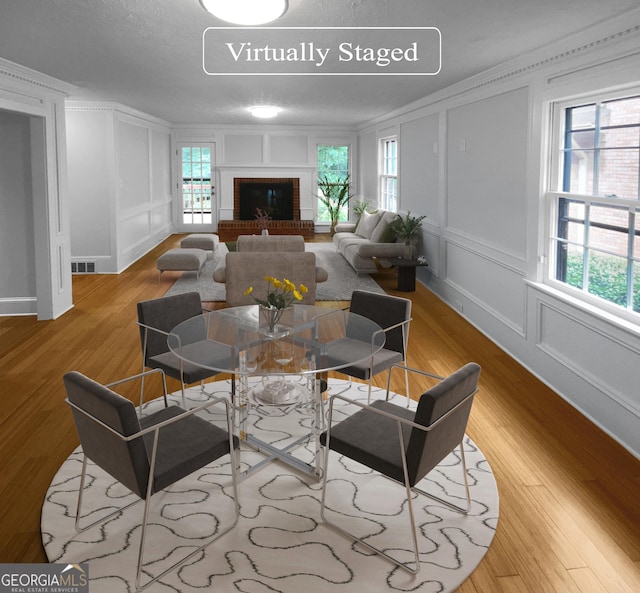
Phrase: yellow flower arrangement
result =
(280, 295)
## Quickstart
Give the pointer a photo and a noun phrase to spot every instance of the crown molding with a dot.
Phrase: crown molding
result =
(30, 77)
(113, 107)
(612, 33)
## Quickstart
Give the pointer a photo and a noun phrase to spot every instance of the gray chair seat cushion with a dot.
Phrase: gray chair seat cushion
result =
(348, 349)
(184, 446)
(372, 439)
(170, 364)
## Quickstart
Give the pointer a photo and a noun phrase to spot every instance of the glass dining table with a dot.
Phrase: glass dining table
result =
(277, 367)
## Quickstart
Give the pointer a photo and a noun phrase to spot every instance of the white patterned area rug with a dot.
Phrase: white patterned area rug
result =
(342, 280)
(280, 544)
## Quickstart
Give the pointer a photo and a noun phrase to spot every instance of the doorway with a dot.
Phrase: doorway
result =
(197, 204)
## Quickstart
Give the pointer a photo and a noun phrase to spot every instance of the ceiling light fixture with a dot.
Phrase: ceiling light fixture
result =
(264, 111)
(246, 12)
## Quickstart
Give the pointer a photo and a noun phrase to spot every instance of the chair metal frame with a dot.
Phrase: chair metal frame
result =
(399, 422)
(405, 342)
(155, 430)
(405, 339)
(147, 328)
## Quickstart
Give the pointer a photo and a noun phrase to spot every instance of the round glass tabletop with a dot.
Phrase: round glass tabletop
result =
(307, 339)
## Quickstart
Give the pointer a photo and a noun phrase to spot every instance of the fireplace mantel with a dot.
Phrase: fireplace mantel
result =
(228, 225)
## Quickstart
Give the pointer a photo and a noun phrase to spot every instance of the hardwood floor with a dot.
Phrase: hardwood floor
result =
(569, 495)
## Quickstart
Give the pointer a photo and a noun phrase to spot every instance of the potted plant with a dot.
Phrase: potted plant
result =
(359, 207)
(408, 229)
(263, 218)
(334, 194)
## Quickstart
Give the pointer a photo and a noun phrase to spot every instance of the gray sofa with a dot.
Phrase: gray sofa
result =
(360, 244)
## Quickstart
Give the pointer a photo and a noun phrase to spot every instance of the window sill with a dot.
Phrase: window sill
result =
(618, 320)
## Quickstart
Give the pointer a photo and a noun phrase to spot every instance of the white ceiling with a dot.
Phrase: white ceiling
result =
(147, 54)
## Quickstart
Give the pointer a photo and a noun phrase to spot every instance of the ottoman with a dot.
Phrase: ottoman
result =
(182, 260)
(206, 241)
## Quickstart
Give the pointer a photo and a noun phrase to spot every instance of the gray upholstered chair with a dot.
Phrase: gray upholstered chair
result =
(145, 454)
(403, 445)
(393, 315)
(243, 269)
(156, 319)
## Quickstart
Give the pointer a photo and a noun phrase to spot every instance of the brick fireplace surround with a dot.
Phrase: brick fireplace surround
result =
(228, 230)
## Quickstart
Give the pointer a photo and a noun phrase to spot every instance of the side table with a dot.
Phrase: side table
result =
(406, 272)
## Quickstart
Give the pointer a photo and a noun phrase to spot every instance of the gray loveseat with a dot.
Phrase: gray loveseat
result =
(370, 238)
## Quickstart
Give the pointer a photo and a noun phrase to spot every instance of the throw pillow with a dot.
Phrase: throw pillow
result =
(389, 235)
(367, 225)
(382, 228)
(355, 230)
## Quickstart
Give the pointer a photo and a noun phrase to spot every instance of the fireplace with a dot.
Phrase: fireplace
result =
(279, 197)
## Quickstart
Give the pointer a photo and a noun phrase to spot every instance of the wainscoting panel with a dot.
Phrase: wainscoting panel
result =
(604, 360)
(484, 280)
(135, 231)
(161, 217)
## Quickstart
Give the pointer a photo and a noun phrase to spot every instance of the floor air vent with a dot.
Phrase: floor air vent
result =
(83, 267)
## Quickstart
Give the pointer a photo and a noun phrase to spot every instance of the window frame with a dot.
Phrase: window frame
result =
(349, 148)
(384, 177)
(554, 195)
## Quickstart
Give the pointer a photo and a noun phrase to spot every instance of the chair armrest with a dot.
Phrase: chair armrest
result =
(321, 274)
(220, 274)
(142, 375)
(155, 329)
(345, 227)
(134, 377)
(394, 326)
(368, 407)
(399, 419)
(414, 370)
(191, 412)
(155, 427)
(398, 365)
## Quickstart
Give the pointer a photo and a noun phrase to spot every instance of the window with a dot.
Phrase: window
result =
(389, 175)
(332, 163)
(196, 166)
(596, 234)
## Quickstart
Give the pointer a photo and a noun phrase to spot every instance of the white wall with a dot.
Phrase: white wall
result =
(267, 151)
(122, 193)
(474, 159)
(17, 272)
(90, 184)
(119, 183)
(36, 273)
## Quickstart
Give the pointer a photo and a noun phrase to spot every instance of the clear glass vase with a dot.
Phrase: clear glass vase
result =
(269, 317)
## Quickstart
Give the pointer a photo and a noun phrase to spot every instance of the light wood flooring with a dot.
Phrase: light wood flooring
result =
(569, 495)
